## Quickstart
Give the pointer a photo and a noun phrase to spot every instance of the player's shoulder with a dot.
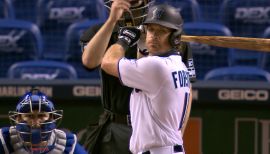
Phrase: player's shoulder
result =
(4, 129)
(150, 60)
(151, 63)
(65, 131)
(72, 143)
(79, 149)
(70, 139)
(4, 132)
(5, 140)
(161, 60)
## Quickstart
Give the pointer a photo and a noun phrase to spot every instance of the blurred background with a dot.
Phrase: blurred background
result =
(39, 47)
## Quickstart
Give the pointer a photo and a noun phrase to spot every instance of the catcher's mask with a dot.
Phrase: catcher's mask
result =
(35, 118)
(137, 14)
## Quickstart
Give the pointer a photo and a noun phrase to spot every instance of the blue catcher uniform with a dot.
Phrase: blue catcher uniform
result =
(24, 137)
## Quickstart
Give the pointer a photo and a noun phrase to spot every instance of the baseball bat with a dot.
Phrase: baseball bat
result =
(246, 43)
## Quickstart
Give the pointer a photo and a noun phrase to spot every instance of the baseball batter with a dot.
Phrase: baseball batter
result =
(158, 103)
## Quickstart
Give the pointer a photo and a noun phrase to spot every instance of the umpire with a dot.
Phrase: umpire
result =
(112, 134)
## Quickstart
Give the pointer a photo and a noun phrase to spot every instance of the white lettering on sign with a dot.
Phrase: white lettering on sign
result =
(248, 95)
(67, 14)
(9, 43)
(15, 91)
(253, 14)
(86, 91)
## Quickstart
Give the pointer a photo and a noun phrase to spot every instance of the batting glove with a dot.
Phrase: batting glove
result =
(128, 37)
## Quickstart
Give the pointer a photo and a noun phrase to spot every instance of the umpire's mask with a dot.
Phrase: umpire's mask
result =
(138, 9)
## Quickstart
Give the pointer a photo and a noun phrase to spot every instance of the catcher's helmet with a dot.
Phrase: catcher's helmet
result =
(137, 14)
(34, 104)
(167, 16)
(34, 100)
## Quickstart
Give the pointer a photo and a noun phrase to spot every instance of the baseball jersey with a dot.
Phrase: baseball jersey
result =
(159, 100)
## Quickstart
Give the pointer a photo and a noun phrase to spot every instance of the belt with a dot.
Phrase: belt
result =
(176, 148)
(119, 118)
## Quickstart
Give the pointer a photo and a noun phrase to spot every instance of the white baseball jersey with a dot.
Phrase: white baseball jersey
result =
(158, 104)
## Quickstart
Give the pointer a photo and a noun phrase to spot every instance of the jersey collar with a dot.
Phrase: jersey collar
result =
(169, 53)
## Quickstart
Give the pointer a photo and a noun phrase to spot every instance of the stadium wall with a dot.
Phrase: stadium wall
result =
(226, 117)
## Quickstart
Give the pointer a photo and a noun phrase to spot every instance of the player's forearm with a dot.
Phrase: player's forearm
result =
(95, 49)
(111, 58)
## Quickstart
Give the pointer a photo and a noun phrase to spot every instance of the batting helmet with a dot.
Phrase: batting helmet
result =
(137, 14)
(33, 104)
(167, 16)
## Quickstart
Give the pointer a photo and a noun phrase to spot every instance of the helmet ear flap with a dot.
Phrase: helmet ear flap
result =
(175, 38)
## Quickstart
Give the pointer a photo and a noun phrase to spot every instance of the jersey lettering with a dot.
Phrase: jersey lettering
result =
(180, 78)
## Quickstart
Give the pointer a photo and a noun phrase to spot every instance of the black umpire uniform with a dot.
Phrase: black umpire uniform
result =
(114, 130)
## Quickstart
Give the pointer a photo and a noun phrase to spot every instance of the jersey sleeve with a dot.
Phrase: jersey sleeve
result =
(79, 149)
(143, 74)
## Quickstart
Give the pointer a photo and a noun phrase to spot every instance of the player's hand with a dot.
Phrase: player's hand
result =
(128, 37)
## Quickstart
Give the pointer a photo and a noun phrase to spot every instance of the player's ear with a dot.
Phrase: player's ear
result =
(142, 28)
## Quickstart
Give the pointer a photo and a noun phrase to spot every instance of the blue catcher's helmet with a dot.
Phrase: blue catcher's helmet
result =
(35, 119)
(34, 100)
